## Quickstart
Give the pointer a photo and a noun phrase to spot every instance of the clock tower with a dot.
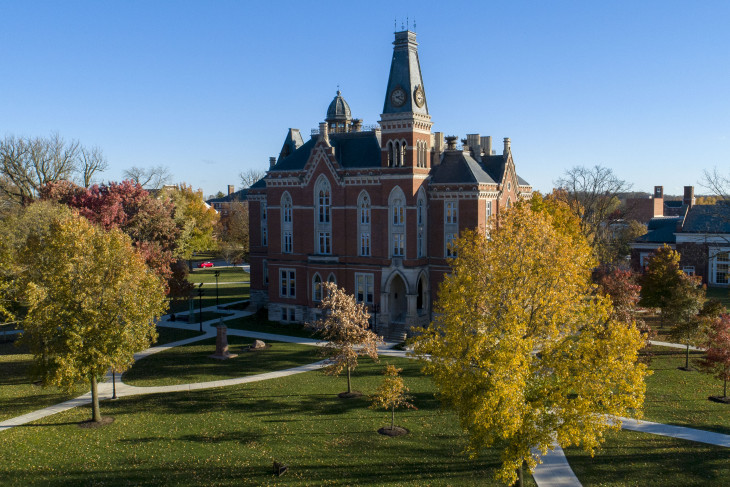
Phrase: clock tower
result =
(405, 122)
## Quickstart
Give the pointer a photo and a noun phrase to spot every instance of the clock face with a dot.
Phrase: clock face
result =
(398, 97)
(418, 96)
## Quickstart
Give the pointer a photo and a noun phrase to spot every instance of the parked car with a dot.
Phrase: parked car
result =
(205, 264)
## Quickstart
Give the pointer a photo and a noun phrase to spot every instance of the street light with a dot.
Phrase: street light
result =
(114, 384)
(376, 308)
(217, 273)
(200, 305)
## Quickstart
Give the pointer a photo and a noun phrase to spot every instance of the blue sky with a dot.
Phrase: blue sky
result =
(210, 88)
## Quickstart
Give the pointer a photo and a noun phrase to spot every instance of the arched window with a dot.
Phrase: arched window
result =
(421, 223)
(287, 230)
(324, 205)
(396, 154)
(509, 202)
(317, 288)
(286, 207)
(332, 279)
(323, 217)
(396, 226)
(391, 159)
(363, 224)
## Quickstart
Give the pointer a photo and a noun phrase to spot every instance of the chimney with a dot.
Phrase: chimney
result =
(357, 125)
(486, 145)
(473, 140)
(231, 189)
(689, 196)
(272, 162)
(323, 134)
(506, 145)
(451, 142)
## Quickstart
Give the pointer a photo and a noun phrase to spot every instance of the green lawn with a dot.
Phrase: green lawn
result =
(259, 322)
(721, 293)
(233, 285)
(18, 394)
(231, 436)
(678, 397)
(631, 458)
(192, 362)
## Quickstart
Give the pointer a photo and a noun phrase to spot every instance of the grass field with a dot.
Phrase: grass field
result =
(233, 285)
(231, 436)
(259, 322)
(678, 397)
(192, 362)
(18, 394)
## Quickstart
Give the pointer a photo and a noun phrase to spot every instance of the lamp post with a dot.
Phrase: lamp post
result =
(114, 384)
(376, 308)
(200, 305)
(217, 273)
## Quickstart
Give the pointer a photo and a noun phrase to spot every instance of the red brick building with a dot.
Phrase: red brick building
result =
(373, 210)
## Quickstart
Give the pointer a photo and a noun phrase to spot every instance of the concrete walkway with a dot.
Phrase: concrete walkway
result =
(554, 470)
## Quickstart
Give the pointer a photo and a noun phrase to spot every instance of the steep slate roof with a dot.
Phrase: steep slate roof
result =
(297, 159)
(661, 230)
(458, 167)
(261, 183)
(708, 219)
(494, 166)
(356, 149)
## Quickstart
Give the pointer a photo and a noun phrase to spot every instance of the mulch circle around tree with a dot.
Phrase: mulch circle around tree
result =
(720, 399)
(349, 395)
(396, 431)
(90, 424)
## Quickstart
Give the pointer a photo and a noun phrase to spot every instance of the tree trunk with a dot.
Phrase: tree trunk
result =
(686, 357)
(349, 386)
(95, 414)
(520, 480)
(724, 388)
(392, 418)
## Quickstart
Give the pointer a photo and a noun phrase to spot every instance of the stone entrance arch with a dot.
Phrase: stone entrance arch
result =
(397, 300)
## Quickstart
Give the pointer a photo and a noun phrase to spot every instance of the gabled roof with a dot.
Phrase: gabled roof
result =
(296, 160)
(708, 219)
(292, 142)
(261, 183)
(352, 150)
(459, 167)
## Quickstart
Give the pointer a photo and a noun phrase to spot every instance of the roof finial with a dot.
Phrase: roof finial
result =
(395, 24)
(408, 23)
(338, 89)
(402, 27)
(414, 24)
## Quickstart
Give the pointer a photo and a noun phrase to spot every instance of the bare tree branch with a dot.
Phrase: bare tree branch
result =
(250, 176)
(151, 178)
(29, 163)
(716, 182)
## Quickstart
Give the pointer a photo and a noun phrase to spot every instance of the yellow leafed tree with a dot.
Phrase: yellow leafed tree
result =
(392, 393)
(91, 300)
(522, 348)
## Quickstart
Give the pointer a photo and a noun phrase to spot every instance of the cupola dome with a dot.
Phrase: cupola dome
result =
(339, 110)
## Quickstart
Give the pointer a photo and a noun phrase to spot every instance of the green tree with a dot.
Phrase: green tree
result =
(523, 349)
(662, 277)
(392, 393)
(344, 326)
(90, 299)
(686, 302)
(195, 220)
(233, 232)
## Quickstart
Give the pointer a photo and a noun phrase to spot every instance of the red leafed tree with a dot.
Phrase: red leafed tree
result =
(127, 206)
(717, 357)
(625, 292)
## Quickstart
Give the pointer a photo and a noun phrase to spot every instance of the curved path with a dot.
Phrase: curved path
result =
(553, 471)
